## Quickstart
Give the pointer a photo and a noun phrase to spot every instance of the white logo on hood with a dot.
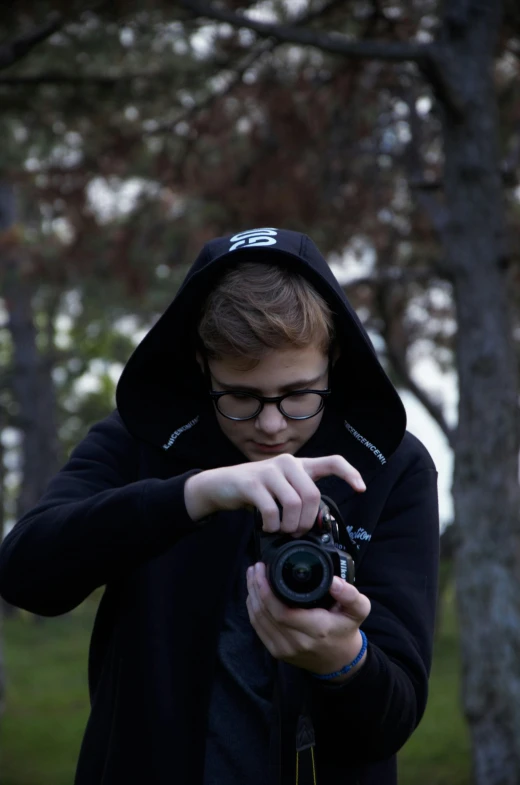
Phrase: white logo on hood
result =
(379, 455)
(177, 433)
(254, 237)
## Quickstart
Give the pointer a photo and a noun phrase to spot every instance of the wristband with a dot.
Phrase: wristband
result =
(348, 667)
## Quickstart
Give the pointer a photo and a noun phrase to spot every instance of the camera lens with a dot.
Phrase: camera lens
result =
(302, 572)
(299, 571)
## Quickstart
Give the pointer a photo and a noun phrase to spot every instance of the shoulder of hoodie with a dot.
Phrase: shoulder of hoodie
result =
(411, 456)
(111, 426)
(108, 437)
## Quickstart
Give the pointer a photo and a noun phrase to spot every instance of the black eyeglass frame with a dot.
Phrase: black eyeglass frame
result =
(215, 396)
(262, 400)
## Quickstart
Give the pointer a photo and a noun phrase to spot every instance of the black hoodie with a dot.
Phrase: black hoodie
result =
(115, 516)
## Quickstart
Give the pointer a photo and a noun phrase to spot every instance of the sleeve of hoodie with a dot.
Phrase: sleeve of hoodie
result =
(375, 712)
(94, 523)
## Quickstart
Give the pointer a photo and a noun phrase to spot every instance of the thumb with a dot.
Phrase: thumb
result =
(349, 600)
(334, 464)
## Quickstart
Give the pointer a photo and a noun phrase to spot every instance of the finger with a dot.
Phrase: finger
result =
(264, 501)
(260, 627)
(264, 602)
(289, 500)
(261, 620)
(308, 494)
(251, 588)
(291, 630)
(351, 602)
(334, 464)
(281, 640)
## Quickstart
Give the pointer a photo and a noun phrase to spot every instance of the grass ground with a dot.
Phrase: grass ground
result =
(438, 753)
(47, 706)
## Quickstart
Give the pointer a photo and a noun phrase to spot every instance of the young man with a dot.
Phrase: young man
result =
(257, 389)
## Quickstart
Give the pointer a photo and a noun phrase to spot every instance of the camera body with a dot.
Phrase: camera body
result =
(300, 570)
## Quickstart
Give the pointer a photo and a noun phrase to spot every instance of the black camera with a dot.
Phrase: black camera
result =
(300, 570)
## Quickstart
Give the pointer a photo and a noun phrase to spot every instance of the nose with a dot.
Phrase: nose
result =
(270, 420)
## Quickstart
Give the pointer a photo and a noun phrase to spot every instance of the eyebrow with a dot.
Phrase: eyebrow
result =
(301, 384)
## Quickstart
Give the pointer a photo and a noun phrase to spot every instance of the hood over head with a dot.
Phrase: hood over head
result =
(162, 393)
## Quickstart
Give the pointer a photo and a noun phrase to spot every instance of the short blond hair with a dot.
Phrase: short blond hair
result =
(257, 307)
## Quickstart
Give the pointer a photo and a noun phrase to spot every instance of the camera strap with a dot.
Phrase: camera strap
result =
(305, 746)
(305, 737)
(294, 729)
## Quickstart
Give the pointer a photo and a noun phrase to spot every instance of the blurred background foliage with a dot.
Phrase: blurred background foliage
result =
(132, 135)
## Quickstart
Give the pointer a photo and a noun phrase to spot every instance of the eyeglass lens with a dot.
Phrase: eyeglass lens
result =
(240, 405)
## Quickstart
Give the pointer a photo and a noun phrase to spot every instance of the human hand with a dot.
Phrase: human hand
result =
(283, 480)
(317, 640)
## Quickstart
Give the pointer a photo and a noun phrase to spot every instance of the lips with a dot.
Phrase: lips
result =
(277, 444)
(270, 447)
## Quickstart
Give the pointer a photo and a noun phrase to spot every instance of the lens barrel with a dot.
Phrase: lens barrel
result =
(300, 573)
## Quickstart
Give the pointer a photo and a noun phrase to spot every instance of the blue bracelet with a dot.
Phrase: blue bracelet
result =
(347, 668)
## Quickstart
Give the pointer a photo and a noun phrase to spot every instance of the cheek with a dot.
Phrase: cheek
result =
(311, 426)
(233, 430)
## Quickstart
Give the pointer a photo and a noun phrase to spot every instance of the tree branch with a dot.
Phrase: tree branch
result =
(55, 77)
(103, 80)
(424, 196)
(392, 333)
(328, 42)
(431, 58)
(239, 70)
(433, 408)
(15, 50)
(436, 70)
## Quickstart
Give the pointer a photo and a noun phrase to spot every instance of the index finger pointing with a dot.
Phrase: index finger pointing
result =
(334, 464)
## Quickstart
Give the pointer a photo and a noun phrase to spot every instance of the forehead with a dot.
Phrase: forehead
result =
(278, 369)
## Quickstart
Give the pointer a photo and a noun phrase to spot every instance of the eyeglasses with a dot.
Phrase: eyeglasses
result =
(244, 405)
(239, 405)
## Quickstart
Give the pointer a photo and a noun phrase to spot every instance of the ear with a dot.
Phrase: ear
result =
(200, 361)
(335, 352)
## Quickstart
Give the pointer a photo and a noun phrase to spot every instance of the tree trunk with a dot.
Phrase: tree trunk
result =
(32, 382)
(2, 522)
(486, 489)
(34, 393)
